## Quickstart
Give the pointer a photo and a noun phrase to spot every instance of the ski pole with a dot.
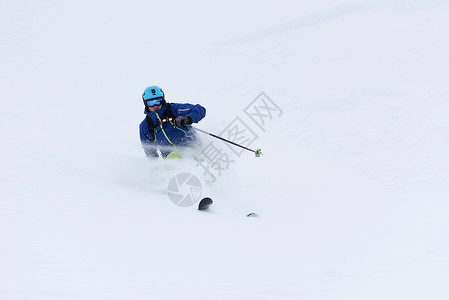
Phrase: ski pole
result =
(257, 152)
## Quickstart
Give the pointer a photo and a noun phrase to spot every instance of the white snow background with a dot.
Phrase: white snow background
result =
(351, 192)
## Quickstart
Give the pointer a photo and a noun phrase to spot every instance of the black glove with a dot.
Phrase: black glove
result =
(183, 121)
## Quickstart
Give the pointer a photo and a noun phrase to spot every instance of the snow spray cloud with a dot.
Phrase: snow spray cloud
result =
(215, 158)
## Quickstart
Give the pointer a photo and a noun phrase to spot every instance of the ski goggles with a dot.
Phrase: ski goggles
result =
(153, 102)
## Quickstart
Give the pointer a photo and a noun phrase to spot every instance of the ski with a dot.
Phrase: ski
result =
(205, 203)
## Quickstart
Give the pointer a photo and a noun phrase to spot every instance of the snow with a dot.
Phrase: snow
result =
(351, 192)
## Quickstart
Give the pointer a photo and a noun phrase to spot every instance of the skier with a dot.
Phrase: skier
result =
(166, 125)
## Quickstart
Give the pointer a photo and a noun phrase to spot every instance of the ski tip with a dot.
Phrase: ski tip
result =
(205, 203)
(252, 215)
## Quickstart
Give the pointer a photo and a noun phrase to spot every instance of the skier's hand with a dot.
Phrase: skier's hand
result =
(183, 121)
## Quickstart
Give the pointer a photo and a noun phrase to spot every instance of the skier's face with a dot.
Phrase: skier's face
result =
(155, 108)
(154, 104)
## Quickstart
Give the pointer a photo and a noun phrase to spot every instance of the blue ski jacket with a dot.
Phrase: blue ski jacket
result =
(165, 134)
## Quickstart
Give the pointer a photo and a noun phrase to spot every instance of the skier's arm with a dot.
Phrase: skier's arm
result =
(195, 112)
(148, 145)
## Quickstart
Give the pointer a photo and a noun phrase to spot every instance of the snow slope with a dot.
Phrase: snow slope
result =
(351, 191)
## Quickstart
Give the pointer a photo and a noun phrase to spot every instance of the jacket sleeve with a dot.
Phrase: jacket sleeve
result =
(196, 112)
(148, 145)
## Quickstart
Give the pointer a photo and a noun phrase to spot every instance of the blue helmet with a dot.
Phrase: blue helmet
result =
(152, 92)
